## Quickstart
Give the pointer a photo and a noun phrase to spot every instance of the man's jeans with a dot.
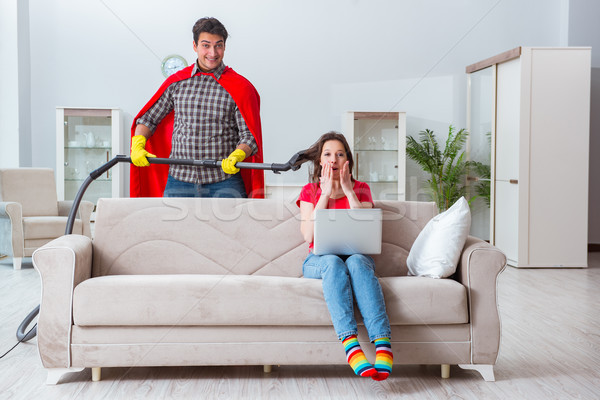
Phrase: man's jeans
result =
(231, 187)
(342, 276)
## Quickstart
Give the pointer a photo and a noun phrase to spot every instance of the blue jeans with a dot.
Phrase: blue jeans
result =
(342, 276)
(230, 187)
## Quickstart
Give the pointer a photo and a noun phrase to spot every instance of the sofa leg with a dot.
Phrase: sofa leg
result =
(96, 374)
(445, 371)
(486, 370)
(267, 369)
(54, 374)
(17, 262)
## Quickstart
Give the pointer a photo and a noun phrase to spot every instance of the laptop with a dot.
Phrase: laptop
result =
(347, 231)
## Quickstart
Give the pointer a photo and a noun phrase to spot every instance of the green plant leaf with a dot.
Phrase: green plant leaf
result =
(447, 168)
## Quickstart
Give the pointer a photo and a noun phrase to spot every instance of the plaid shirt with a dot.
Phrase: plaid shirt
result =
(207, 124)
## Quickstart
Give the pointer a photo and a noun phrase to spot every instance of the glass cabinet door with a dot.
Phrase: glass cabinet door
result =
(480, 124)
(88, 142)
(378, 142)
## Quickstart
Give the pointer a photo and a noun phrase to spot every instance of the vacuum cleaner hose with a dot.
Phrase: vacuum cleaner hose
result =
(293, 164)
(21, 335)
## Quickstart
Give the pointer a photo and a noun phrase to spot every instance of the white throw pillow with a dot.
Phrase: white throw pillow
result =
(436, 250)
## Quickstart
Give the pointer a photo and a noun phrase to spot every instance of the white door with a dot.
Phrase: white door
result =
(507, 217)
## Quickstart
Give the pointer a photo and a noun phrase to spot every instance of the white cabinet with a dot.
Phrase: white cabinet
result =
(86, 139)
(539, 215)
(378, 143)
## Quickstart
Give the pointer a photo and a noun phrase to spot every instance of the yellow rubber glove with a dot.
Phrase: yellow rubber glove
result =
(228, 164)
(138, 151)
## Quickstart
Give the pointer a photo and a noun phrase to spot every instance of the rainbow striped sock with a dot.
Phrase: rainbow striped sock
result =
(383, 358)
(356, 358)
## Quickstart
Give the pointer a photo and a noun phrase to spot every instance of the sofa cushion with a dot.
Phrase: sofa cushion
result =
(402, 222)
(412, 300)
(229, 236)
(197, 236)
(47, 227)
(124, 300)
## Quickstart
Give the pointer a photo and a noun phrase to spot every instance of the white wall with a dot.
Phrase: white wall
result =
(24, 83)
(594, 187)
(309, 60)
(584, 30)
(9, 88)
(15, 85)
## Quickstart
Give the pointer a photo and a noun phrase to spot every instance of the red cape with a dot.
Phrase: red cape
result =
(150, 181)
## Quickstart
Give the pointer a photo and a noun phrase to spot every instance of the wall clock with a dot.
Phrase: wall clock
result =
(171, 64)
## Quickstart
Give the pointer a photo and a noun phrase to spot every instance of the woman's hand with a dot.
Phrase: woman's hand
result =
(346, 178)
(326, 180)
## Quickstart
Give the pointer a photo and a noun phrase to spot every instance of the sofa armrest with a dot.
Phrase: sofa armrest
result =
(84, 213)
(478, 269)
(62, 264)
(11, 229)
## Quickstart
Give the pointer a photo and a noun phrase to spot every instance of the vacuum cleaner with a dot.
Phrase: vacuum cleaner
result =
(293, 164)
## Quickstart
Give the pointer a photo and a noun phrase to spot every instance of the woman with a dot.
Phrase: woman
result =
(345, 278)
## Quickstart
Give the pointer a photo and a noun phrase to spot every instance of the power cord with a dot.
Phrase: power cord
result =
(23, 339)
(21, 335)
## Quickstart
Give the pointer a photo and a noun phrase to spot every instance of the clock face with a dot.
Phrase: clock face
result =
(172, 64)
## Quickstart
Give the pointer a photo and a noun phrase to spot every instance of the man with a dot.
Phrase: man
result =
(205, 111)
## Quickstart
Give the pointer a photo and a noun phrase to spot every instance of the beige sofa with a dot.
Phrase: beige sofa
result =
(178, 282)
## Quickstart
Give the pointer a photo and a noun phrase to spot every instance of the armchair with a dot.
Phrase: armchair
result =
(30, 213)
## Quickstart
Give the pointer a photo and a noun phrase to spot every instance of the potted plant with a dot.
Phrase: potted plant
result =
(447, 168)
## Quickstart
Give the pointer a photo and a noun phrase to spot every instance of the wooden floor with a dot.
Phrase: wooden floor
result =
(550, 350)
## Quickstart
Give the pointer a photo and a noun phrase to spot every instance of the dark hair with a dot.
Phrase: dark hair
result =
(313, 153)
(209, 25)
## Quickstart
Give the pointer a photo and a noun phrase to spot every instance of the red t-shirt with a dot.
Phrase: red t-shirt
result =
(311, 193)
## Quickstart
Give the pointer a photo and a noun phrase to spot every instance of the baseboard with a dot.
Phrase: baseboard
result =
(593, 247)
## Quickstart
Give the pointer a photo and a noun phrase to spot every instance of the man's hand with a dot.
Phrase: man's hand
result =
(228, 164)
(138, 151)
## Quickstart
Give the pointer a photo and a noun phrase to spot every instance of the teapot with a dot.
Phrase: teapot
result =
(90, 140)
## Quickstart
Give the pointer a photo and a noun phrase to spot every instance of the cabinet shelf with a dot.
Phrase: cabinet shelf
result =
(83, 179)
(86, 148)
(377, 182)
(377, 150)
